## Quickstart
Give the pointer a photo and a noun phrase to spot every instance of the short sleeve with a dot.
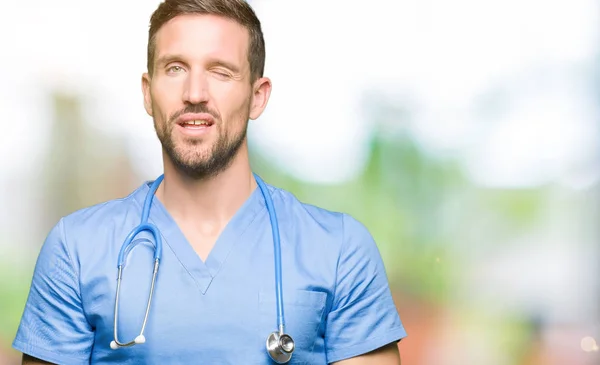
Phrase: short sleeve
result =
(53, 326)
(363, 316)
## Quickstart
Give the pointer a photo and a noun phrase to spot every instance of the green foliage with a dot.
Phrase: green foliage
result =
(398, 197)
(418, 209)
(14, 288)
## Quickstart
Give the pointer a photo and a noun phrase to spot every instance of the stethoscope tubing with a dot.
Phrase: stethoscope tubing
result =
(276, 252)
(279, 345)
(145, 226)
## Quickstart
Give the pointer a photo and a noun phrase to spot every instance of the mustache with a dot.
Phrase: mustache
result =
(195, 109)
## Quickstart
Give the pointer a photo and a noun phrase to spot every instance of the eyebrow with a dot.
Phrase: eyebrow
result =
(225, 64)
(166, 59)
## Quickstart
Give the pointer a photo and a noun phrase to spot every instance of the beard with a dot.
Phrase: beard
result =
(195, 163)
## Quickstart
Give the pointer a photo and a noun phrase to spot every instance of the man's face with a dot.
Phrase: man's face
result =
(200, 94)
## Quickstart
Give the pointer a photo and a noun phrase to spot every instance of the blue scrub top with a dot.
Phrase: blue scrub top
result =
(337, 301)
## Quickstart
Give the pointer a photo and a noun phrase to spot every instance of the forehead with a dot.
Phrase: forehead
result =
(198, 36)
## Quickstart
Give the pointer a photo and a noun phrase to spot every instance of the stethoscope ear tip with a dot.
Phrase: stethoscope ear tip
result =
(140, 339)
(113, 345)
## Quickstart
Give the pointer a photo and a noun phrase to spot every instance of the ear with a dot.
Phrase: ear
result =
(146, 82)
(260, 97)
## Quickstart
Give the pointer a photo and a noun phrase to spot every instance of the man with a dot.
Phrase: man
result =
(214, 298)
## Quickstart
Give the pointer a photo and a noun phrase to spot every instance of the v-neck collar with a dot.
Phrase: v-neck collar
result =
(202, 272)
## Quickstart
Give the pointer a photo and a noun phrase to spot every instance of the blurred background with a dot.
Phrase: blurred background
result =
(464, 134)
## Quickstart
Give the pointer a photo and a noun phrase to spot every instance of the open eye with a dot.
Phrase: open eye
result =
(174, 69)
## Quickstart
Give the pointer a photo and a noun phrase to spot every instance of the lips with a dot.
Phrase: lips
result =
(196, 120)
(196, 123)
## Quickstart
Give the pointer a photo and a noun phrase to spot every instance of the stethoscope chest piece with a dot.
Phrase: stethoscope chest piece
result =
(280, 347)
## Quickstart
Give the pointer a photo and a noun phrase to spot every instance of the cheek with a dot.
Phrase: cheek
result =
(157, 112)
(166, 99)
(242, 114)
(234, 107)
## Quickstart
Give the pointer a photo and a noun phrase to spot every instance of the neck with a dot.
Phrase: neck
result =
(213, 200)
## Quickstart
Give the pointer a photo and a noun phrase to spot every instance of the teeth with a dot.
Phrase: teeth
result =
(197, 122)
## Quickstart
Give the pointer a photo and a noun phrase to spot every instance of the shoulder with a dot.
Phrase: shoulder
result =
(338, 226)
(82, 232)
(288, 200)
(112, 212)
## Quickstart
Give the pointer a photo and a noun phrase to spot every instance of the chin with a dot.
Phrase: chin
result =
(193, 157)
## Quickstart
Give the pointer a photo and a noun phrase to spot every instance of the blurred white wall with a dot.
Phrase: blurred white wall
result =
(442, 60)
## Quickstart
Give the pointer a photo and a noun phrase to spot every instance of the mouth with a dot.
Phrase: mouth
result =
(196, 124)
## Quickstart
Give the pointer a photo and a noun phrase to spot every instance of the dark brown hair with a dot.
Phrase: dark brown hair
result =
(237, 10)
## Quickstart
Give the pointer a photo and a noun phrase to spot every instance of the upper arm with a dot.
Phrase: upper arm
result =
(29, 360)
(387, 355)
(363, 316)
(53, 326)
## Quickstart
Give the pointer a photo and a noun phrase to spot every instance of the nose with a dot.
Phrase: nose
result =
(196, 88)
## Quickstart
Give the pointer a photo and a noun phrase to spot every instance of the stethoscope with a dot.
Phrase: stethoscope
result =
(280, 345)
